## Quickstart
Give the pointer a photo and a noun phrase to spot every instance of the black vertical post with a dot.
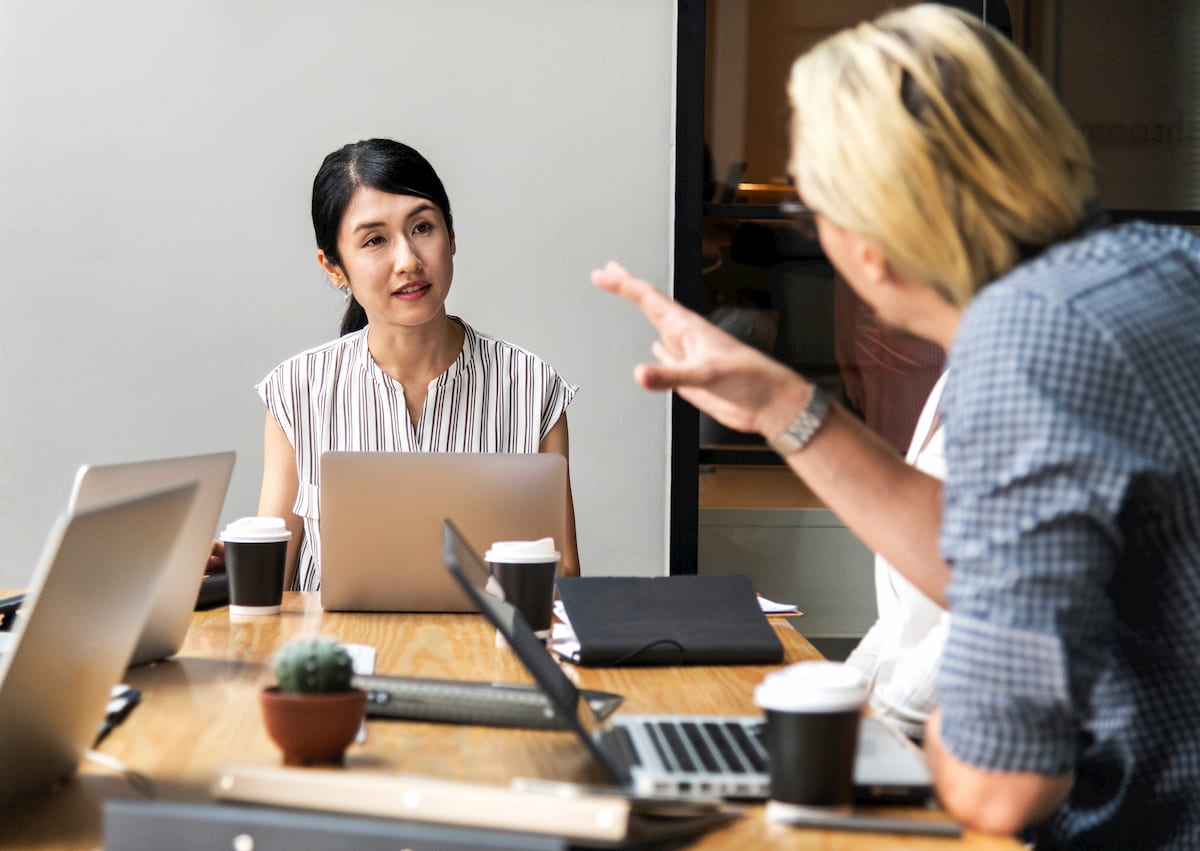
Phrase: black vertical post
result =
(689, 201)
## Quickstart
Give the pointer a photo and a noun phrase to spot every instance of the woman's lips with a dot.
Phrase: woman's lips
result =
(412, 292)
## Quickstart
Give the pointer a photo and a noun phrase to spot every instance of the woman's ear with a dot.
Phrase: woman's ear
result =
(332, 271)
(873, 262)
(453, 245)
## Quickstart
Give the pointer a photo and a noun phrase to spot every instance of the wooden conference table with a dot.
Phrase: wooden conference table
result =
(200, 710)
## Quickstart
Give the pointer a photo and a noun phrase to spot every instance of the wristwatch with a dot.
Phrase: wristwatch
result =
(796, 436)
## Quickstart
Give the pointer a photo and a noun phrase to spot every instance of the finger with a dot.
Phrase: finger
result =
(639, 376)
(654, 303)
(615, 279)
(607, 277)
(649, 377)
(664, 353)
(658, 376)
(614, 271)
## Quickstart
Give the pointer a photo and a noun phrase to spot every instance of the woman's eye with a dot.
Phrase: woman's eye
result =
(423, 227)
(372, 241)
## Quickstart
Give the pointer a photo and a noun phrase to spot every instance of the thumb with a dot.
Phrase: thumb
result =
(657, 376)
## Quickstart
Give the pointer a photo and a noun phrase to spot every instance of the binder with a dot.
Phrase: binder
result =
(576, 815)
(668, 620)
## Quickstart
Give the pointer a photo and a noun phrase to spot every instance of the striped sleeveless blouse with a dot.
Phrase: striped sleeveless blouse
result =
(496, 397)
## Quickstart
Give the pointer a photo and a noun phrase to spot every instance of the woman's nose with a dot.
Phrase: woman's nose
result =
(406, 259)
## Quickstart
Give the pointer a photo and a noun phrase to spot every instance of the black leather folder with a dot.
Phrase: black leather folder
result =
(668, 620)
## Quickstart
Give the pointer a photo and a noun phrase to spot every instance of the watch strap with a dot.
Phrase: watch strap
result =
(796, 436)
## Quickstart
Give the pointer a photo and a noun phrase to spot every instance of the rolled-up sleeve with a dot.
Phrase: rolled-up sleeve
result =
(1041, 457)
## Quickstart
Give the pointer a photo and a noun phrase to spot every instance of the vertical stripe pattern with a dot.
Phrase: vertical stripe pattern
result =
(496, 397)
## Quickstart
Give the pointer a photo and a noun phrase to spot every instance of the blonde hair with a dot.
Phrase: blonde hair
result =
(928, 133)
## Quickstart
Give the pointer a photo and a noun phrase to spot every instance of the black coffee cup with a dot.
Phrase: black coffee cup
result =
(813, 710)
(255, 559)
(525, 572)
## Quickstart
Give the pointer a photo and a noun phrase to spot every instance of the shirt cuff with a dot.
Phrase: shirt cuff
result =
(1005, 701)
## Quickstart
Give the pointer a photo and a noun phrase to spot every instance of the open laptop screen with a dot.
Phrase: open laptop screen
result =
(886, 768)
(465, 562)
(178, 583)
(381, 513)
(470, 571)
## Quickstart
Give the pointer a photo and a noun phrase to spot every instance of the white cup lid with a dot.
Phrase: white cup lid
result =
(252, 530)
(522, 552)
(812, 687)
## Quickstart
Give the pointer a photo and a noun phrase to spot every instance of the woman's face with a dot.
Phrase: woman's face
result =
(899, 302)
(862, 267)
(397, 256)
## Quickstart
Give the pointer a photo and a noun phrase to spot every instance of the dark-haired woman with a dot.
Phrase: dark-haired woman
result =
(405, 376)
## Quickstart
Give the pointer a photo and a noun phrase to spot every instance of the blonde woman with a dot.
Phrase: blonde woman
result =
(952, 191)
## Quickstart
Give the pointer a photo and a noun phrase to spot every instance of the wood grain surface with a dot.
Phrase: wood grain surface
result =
(200, 710)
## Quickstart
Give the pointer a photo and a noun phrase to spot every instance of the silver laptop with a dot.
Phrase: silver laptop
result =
(680, 756)
(381, 521)
(83, 612)
(178, 584)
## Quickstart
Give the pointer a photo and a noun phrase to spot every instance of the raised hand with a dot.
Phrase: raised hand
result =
(734, 383)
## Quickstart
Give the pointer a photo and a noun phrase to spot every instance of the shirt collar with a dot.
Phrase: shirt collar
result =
(362, 360)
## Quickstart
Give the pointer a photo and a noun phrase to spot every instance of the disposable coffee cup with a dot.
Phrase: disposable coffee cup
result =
(525, 573)
(255, 558)
(812, 711)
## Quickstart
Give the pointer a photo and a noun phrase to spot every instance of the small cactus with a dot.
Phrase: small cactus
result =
(312, 666)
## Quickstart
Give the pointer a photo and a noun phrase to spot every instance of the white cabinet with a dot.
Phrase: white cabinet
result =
(801, 555)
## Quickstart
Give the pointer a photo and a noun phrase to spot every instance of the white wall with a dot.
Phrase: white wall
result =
(155, 167)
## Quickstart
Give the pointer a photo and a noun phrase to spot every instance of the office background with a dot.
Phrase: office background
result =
(155, 167)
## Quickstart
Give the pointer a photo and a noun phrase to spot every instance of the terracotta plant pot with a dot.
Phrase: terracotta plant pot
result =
(313, 729)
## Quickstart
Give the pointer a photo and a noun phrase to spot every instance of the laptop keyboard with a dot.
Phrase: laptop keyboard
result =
(620, 746)
(710, 746)
(457, 701)
(470, 702)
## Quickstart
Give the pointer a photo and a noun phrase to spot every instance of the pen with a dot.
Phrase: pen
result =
(8, 610)
(119, 708)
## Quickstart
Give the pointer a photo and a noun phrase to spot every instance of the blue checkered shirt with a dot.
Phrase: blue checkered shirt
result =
(1072, 521)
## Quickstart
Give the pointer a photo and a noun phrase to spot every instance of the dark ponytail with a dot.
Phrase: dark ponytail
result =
(354, 319)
